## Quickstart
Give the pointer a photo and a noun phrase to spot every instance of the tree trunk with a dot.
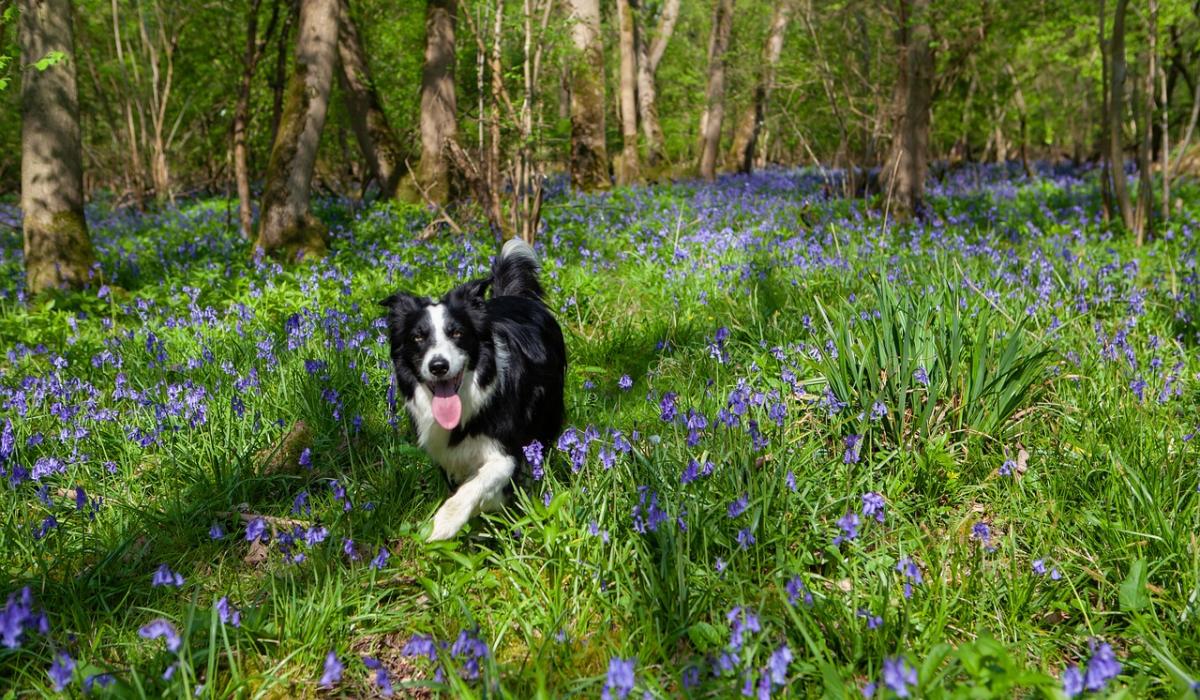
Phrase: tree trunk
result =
(376, 140)
(241, 113)
(648, 58)
(745, 137)
(279, 79)
(1022, 119)
(1106, 195)
(58, 252)
(905, 169)
(1143, 219)
(628, 171)
(589, 154)
(287, 227)
(714, 102)
(1116, 115)
(439, 106)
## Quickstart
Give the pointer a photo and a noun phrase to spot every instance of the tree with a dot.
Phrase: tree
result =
(745, 136)
(438, 104)
(903, 174)
(648, 58)
(287, 227)
(628, 171)
(1116, 112)
(1144, 214)
(714, 99)
(589, 154)
(255, 47)
(376, 140)
(58, 252)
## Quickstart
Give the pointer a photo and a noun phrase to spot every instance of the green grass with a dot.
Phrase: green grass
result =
(1002, 310)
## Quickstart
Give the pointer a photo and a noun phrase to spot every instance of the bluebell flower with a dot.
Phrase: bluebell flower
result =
(873, 621)
(61, 671)
(873, 505)
(790, 480)
(534, 455)
(18, 617)
(625, 382)
(618, 684)
(647, 515)
(921, 376)
(227, 614)
(381, 676)
(739, 506)
(742, 621)
(898, 676)
(160, 628)
(666, 406)
(102, 680)
(853, 445)
(420, 645)
(256, 530)
(306, 458)
(796, 590)
(848, 524)
(983, 532)
(380, 559)
(332, 674)
(469, 650)
(777, 664)
(1007, 468)
(745, 538)
(1072, 681)
(1101, 668)
(878, 410)
(163, 576)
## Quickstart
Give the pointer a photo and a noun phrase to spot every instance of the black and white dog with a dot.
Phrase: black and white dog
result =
(482, 377)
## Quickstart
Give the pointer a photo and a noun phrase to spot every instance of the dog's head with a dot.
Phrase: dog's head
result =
(438, 346)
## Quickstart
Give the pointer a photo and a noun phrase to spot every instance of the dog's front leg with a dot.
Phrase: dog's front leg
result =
(482, 491)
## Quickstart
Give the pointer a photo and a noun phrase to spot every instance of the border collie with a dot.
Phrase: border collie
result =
(482, 377)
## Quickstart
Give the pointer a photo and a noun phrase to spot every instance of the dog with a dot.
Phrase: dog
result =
(482, 377)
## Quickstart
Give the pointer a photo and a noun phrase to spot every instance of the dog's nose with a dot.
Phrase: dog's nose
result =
(439, 366)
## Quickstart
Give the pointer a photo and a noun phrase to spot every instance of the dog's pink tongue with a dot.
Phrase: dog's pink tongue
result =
(447, 407)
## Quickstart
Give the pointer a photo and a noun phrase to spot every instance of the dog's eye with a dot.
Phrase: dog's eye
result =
(456, 334)
(418, 338)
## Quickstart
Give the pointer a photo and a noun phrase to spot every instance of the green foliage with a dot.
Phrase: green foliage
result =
(934, 367)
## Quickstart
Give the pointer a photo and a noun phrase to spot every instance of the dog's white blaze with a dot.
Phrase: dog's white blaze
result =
(442, 346)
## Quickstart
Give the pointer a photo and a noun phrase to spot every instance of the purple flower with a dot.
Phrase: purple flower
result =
(470, 650)
(306, 458)
(921, 376)
(256, 530)
(1007, 468)
(745, 538)
(163, 576)
(1101, 668)
(534, 454)
(739, 506)
(795, 589)
(228, 614)
(349, 549)
(898, 676)
(216, 532)
(873, 621)
(873, 506)
(381, 676)
(666, 407)
(1072, 680)
(647, 515)
(777, 664)
(62, 670)
(853, 445)
(380, 559)
(983, 532)
(878, 410)
(103, 680)
(333, 670)
(849, 525)
(420, 645)
(619, 682)
(790, 480)
(741, 622)
(160, 628)
(1039, 567)
(625, 382)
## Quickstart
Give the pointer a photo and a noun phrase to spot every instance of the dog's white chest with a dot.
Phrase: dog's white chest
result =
(460, 461)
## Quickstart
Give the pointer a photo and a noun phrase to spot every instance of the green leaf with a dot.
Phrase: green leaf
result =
(1133, 589)
(52, 58)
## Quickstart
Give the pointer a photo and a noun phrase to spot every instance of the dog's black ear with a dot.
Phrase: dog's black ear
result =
(401, 303)
(472, 293)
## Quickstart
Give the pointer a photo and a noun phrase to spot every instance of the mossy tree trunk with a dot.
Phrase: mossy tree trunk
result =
(629, 171)
(745, 135)
(589, 153)
(255, 47)
(287, 227)
(439, 106)
(376, 140)
(714, 103)
(58, 252)
(1116, 118)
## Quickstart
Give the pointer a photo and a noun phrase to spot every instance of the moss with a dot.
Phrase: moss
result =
(58, 252)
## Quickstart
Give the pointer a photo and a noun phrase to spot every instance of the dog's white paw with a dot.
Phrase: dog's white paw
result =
(449, 519)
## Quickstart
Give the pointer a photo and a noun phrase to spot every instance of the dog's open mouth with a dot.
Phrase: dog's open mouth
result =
(447, 407)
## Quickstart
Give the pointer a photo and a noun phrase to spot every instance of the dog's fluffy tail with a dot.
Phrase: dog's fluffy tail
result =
(516, 271)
